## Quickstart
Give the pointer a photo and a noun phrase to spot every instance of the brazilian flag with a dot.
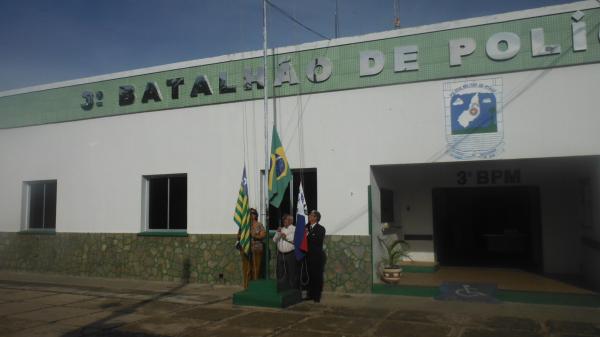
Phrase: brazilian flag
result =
(279, 171)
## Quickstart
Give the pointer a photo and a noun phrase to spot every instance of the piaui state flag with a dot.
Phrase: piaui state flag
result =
(279, 171)
(300, 240)
(241, 215)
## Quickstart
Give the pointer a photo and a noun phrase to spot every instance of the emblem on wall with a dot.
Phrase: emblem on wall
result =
(474, 123)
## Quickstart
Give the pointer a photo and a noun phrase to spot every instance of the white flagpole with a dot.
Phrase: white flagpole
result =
(266, 179)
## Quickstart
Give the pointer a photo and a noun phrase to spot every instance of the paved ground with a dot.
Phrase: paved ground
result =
(34, 305)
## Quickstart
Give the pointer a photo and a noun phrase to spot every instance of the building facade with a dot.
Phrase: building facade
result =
(475, 140)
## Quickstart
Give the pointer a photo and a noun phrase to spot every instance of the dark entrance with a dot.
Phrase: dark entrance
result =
(487, 226)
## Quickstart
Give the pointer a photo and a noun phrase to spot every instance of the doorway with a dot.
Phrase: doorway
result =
(488, 227)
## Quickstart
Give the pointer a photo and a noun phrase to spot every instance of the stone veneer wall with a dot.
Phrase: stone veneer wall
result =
(195, 258)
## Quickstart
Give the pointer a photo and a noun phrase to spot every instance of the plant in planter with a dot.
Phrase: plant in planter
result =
(395, 251)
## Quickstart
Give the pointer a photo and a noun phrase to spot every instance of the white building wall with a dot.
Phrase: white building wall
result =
(99, 163)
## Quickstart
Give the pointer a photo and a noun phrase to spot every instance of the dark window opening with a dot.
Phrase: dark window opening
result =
(387, 205)
(167, 202)
(42, 205)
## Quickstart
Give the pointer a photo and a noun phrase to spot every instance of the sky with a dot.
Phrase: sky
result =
(45, 41)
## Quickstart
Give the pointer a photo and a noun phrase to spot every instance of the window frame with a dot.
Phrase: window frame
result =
(146, 205)
(26, 206)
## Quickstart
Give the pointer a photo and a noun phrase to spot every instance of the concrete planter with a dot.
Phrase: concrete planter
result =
(391, 274)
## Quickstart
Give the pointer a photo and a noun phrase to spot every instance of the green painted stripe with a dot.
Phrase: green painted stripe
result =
(370, 205)
(420, 269)
(38, 232)
(533, 297)
(582, 300)
(164, 234)
(64, 104)
(370, 216)
(405, 290)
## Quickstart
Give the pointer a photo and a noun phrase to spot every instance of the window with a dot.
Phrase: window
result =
(290, 200)
(165, 199)
(387, 205)
(40, 204)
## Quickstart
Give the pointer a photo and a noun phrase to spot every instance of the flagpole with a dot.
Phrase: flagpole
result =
(266, 107)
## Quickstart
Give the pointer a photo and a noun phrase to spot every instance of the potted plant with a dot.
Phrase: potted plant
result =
(395, 251)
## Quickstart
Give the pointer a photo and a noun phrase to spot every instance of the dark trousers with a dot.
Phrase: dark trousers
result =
(316, 266)
(287, 271)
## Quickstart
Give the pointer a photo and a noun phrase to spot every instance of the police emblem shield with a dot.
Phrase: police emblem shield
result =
(474, 123)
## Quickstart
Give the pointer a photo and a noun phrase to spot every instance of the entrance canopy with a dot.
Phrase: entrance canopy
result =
(530, 214)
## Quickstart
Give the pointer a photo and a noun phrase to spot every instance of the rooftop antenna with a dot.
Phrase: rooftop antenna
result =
(337, 22)
(397, 14)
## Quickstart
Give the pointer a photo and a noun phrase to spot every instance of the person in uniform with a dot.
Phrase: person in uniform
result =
(246, 263)
(257, 234)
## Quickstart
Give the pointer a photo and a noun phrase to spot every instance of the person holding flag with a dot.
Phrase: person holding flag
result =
(257, 233)
(241, 216)
(287, 266)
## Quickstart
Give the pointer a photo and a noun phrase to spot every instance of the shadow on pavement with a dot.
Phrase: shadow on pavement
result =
(110, 325)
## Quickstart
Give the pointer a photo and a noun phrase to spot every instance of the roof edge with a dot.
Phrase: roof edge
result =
(463, 23)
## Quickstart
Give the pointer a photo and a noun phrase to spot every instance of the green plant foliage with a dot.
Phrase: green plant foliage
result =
(395, 251)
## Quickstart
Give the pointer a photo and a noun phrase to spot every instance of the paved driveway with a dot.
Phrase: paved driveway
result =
(65, 306)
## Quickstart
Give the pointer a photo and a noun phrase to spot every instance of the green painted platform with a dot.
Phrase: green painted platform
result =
(263, 293)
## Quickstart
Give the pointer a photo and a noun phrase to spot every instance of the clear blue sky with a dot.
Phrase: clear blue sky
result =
(44, 41)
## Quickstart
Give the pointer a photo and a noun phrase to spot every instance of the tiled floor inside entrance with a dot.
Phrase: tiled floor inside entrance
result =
(505, 279)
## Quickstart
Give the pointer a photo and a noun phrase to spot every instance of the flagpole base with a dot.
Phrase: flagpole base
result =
(263, 293)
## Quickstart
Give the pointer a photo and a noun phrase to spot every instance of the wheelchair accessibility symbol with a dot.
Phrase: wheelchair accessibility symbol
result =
(468, 291)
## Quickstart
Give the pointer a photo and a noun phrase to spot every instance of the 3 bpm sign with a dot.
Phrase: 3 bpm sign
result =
(488, 177)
